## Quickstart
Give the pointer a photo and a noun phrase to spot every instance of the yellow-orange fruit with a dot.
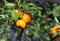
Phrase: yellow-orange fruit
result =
(25, 17)
(20, 24)
(16, 10)
(54, 30)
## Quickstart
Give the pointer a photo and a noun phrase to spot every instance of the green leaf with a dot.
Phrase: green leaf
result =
(39, 13)
(15, 15)
(9, 5)
(56, 11)
(3, 40)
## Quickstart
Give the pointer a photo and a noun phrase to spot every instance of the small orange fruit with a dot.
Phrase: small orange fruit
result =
(20, 24)
(25, 17)
(16, 10)
(54, 30)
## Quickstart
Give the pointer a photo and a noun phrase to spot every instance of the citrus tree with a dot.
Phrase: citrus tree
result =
(22, 20)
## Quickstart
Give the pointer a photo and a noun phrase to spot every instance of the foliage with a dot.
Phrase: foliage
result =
(43, 18)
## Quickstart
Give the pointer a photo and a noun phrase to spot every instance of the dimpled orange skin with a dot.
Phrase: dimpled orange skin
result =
(20, 24)
(25, 17)
(54, 30)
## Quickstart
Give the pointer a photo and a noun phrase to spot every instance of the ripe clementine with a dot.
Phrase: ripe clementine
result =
(54, 30)
(20, 24)
(25, 17)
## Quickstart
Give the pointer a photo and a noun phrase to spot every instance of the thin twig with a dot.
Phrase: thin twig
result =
(20, 34)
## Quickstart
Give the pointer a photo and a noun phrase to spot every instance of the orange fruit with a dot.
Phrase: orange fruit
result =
(20, 24)
(25, 17)
(16, 10)
(54, 30)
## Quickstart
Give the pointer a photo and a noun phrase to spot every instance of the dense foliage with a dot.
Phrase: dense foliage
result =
(44, 16)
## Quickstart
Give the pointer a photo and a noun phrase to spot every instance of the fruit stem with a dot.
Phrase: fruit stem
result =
(20, 34)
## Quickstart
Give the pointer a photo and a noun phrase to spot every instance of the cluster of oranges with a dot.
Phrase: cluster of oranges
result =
(54, 30)
(25, 18)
